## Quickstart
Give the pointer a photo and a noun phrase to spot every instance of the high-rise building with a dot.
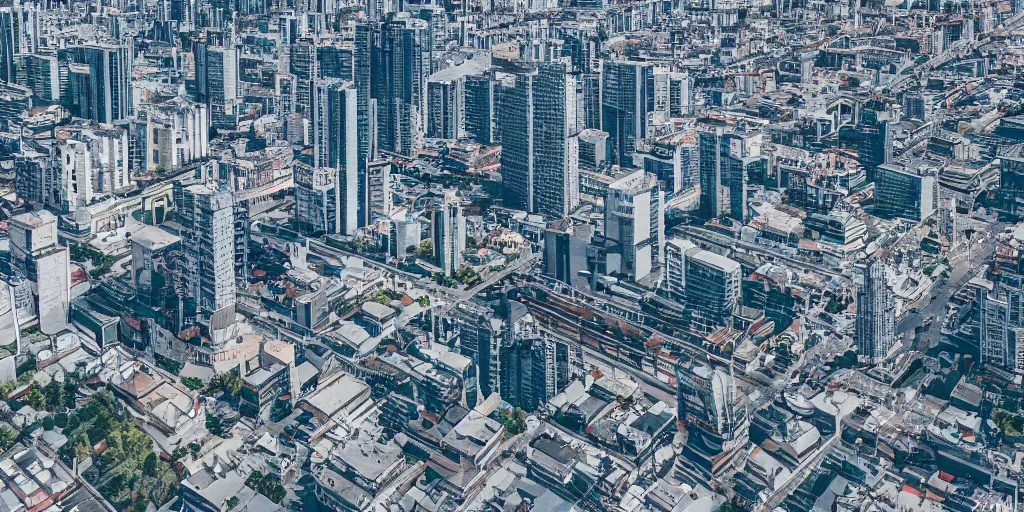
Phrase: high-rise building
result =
(712, 286)
(627, 95)
(565, 249)
(480, 339)
(540, 149)
(875, 324)
(170, 134)
(446, 110)
(593, 149)
(907, 191)
(392, 63)
(41, 74)
(102, 90)
(377, 204)
(327, 193)
(873, 139)
(217, 83)
(535, 365)
(714, 413)
(673, 93)
(726, 157)
(449, 235)
(479, 109)
(302, 64)
(206, 284)
(19, 35)
(36, 253)
(634, 217)
(674, 280)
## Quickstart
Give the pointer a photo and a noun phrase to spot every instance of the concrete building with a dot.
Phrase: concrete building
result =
(634, 217)
(36, 253)
(170, 134)
(712, 288)
(207, 279)
(725, 157)
(537, 122)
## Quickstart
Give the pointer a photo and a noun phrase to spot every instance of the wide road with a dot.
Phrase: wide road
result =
(933, 304)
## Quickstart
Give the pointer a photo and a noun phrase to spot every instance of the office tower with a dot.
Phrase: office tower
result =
(36, 253)
(207, 277)
(714, 413)
(217, 83)
(392, 63)
(875, 324)
(103, 86)
(593, 149)
(995, 325)
(449, 235)
(335, 61)
(19, 35)
(41, 74)
(377, 203)
(302, 64)
(446, 109)
(675, 162)
(674, 279)
(479, 108)
(873, 137)
(673, 94)
(328, 202)
(906, 192)
(540, 150)
(480, 338)
(627, 95)
(634, 217)
(31, 167)
(404, 234)
(712, 286)
(726, 156)
(316, 200)
(565, 249)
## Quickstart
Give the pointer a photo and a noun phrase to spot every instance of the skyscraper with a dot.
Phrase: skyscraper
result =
(392, 63)
(449, 235)
(875, 324)
(105, 93)
(627, 95)
(336, 147)
(479, 108)
(540, 150)
(217, 83)
(206, 284)
(726, 157)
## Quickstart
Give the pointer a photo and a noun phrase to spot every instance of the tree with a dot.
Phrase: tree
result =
(149, 465)
(70, 395)
(54, 393)
(426, 248)
(267, 485)
(48, 423)
(7, 436)
(514, 422)
(36, 399)
(193, 383)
